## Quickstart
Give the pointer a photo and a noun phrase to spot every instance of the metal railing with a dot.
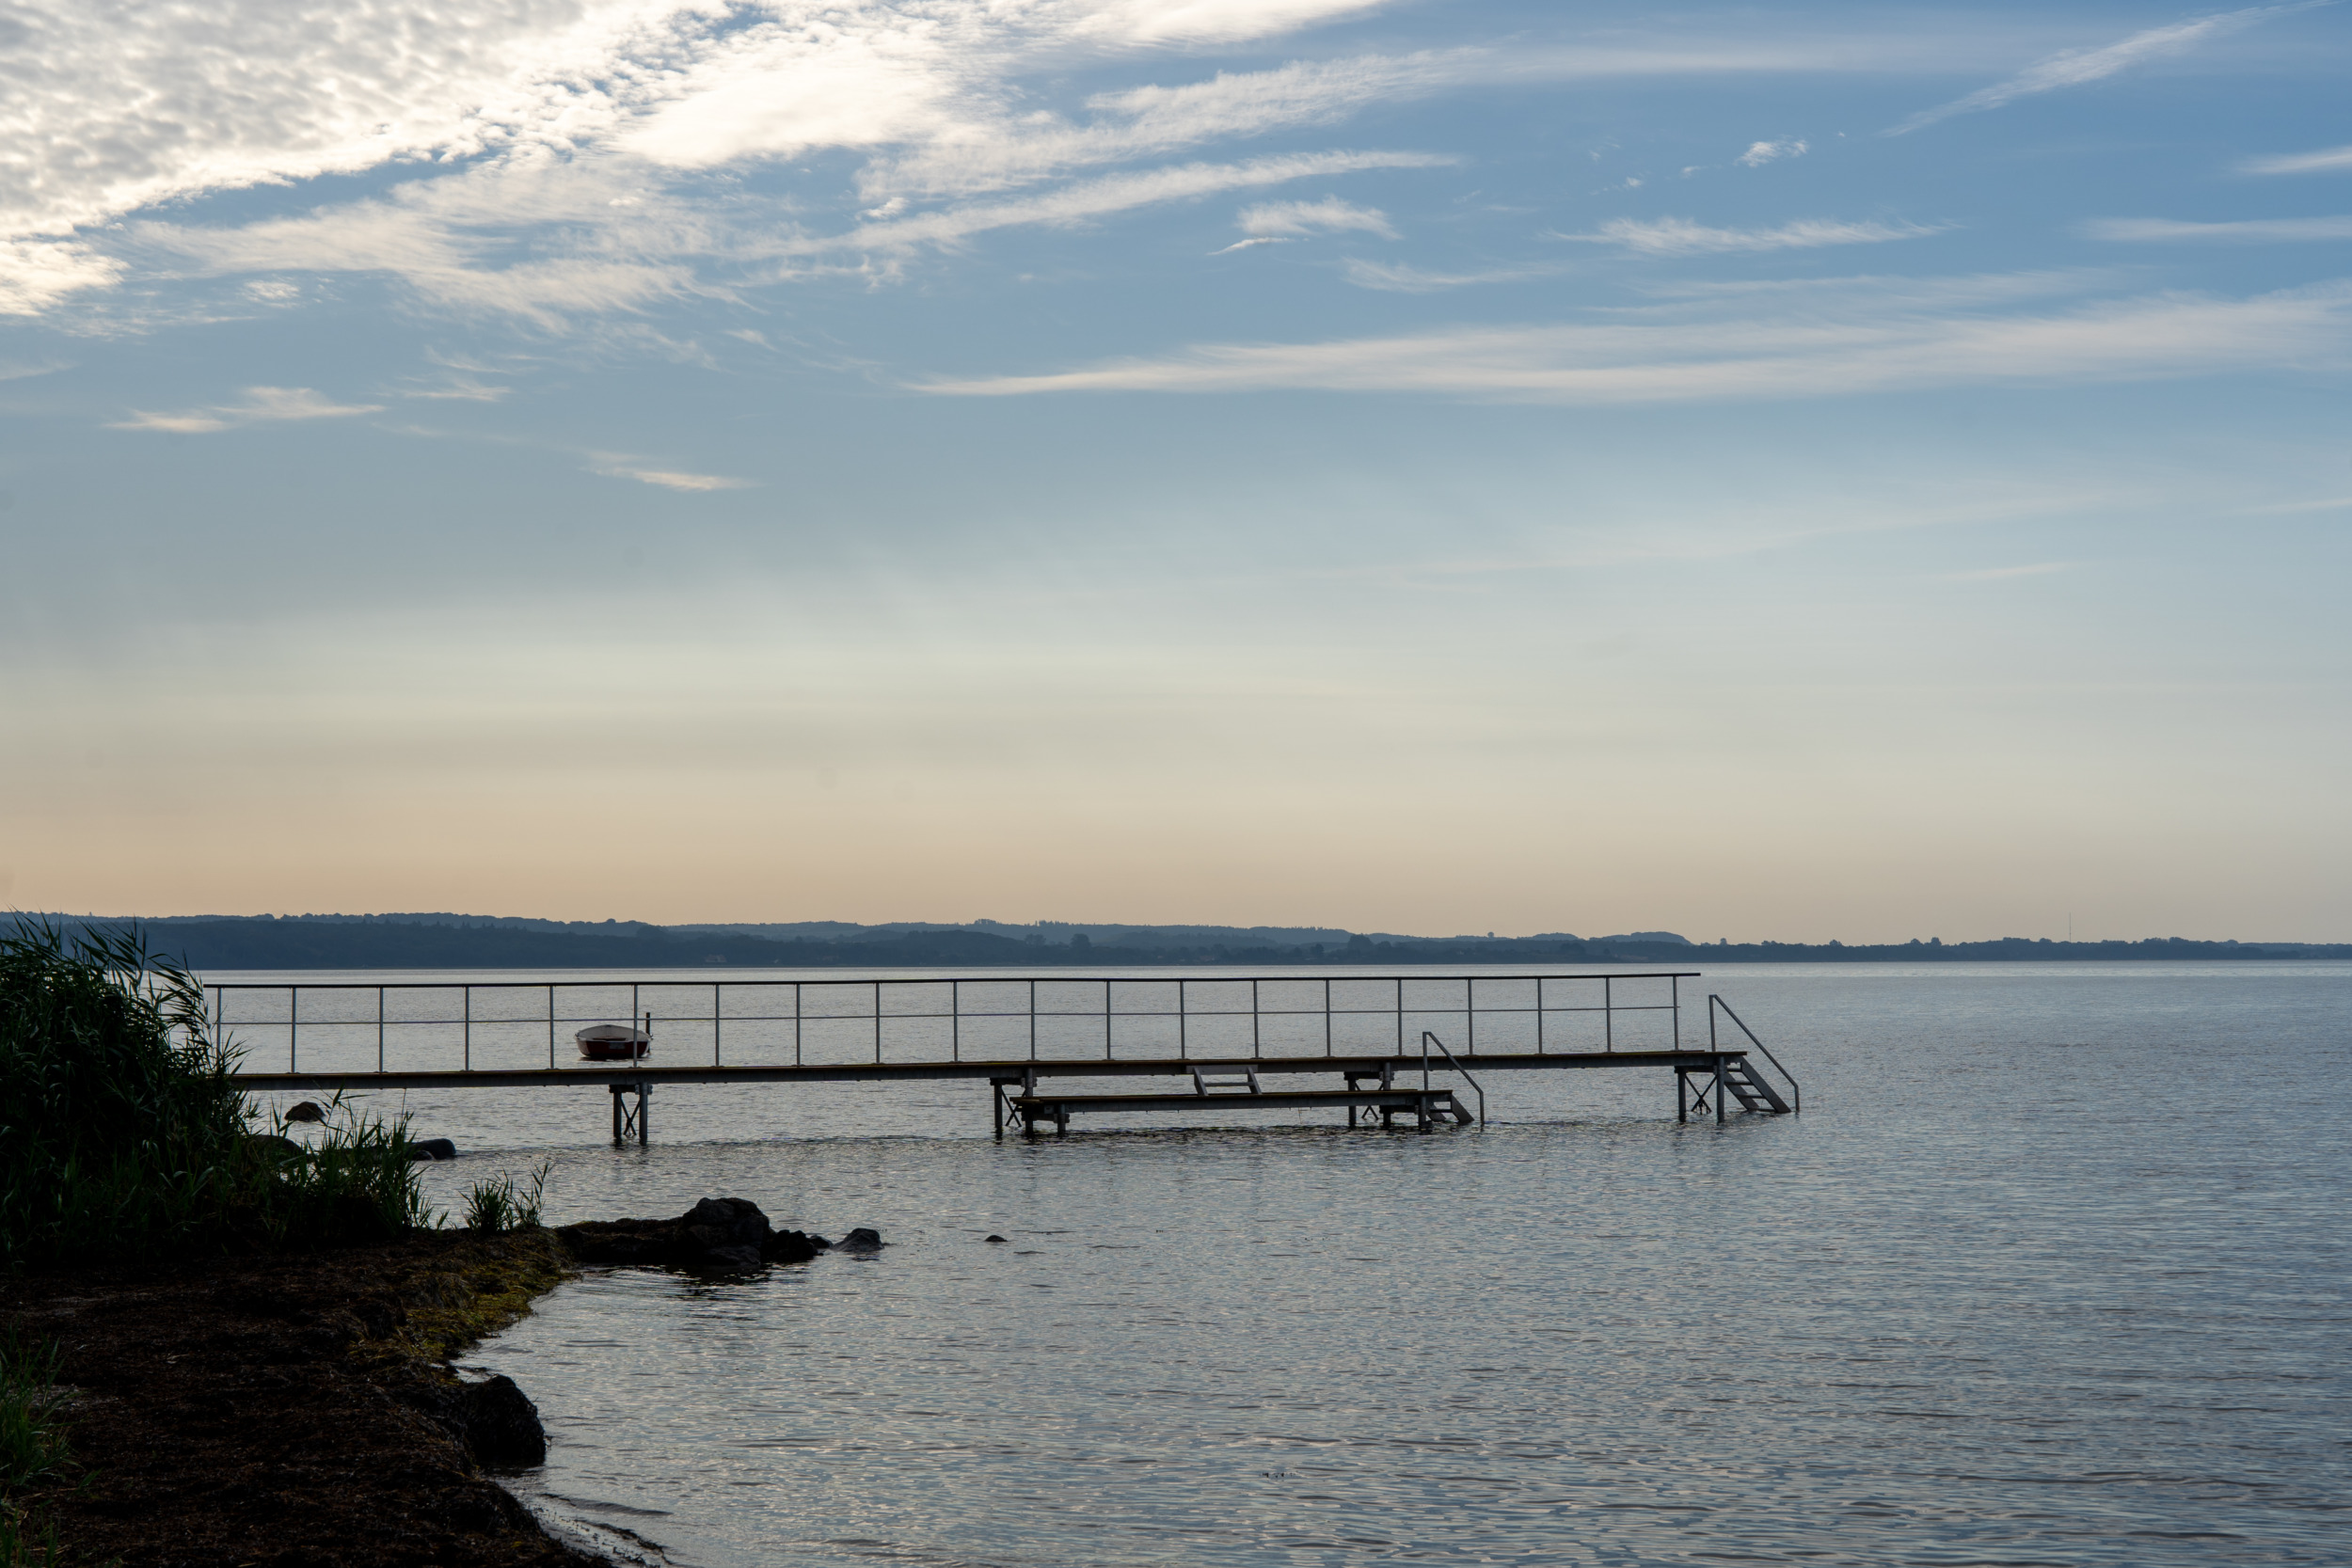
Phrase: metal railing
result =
(1429, 1038)
(347, 1028)
(1796, 1095)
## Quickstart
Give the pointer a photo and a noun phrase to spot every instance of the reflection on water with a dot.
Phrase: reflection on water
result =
(2051, 1270)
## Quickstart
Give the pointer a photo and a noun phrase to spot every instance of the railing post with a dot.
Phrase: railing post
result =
(294, 1024)
(955, 1024)
(1469, 1014)
(1607, 1018)
(878, 1022)
(1400, 1015)
(1033, 1020)
(796, 1024)
(1106, 1017)
(1184, 1042)
(1256, 1049)
(550, 1028)
(1540, 1015)
(715, 1010)
(468, 992)
(379, 1029)
(1673, 998)
(1327, 1017)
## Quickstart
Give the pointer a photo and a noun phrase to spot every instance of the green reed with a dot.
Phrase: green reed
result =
(499, 1204)
(121, 1132)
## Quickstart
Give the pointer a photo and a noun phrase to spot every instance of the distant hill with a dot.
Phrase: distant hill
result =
(448, 942)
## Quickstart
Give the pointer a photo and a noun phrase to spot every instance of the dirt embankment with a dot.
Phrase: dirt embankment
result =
(292, 1410)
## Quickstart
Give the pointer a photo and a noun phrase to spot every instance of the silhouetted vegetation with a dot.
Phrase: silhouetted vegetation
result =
(122, 1134)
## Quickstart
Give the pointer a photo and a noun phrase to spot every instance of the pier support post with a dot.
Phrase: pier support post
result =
(628, 1118)
(1719, 1091)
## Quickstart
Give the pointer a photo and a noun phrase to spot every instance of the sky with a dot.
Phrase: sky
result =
(1754, 470)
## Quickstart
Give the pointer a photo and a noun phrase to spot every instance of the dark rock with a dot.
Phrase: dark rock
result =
(308, 1110)
(996, 1237)
(790, 1246)
(716, 1233)
(817, 1242)
(269, 1145)
(860, 1239)
(726, 1222)
(495, 1419)
(432, 1149)
(503, 1425)
(738, 1260)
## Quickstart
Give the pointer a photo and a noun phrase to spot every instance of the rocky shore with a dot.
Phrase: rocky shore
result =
(300, 1410)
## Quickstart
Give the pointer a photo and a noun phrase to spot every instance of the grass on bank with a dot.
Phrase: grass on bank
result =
(122, 1134)
(32, 1449)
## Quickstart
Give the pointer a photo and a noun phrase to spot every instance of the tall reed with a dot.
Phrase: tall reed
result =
(121, 1132)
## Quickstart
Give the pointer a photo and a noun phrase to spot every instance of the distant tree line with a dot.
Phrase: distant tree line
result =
(265, 943)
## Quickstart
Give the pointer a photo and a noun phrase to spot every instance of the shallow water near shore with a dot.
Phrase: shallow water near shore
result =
(2051, 1270)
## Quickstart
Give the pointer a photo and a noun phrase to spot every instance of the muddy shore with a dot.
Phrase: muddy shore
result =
(287, 1410)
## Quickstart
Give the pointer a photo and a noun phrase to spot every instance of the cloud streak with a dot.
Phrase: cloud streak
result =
(1300, 218)
(2076, 67)
(2331, 160)
(2242, 232)
(262, 405)
(1399, 279)
(1868, 345)
(674, 479)
(1682, 237)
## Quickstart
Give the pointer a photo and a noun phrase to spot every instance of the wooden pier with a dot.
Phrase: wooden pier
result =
(1379, 1044)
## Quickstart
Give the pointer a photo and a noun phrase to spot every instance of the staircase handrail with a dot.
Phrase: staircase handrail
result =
(1427, 1038)
(1796, 1093)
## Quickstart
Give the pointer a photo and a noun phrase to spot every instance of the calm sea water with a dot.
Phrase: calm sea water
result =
(2052, 1269)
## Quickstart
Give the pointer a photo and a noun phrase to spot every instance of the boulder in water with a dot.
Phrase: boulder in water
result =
(860, 1239)
(716, 1233)
(432, 1149)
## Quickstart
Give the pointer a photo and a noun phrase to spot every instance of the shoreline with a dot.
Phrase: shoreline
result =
(289, 1409)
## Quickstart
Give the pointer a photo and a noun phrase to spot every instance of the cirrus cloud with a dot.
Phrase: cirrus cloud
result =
(1682, 237)
(262, 405)
(1843, 343)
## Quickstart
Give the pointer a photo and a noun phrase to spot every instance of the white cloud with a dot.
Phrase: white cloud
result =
(1682, 237)
(1399, 279)
(2075, 67)
(672, 479)
(1112, 194)
(1328, 216)
(811, 88)
(559, 159)
(1840, 345)
(1760, 153)
(2328, 161)
(1218, 21)
(2242, 232)
(262, 405)
(36, 274)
